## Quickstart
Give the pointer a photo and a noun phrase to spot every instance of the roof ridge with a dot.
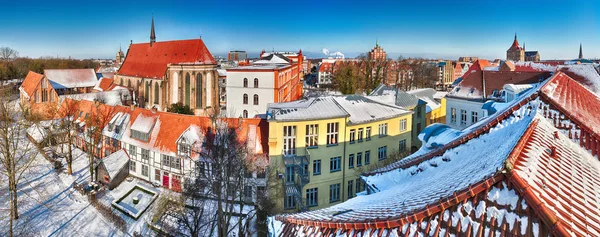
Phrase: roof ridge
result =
(483, 128)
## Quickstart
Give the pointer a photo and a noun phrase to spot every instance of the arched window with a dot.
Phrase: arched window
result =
(245, 99)
(199, 90)
(245, 115)
(129, 83)
(148, 91)
(121, 83)
(156, 92)
(255, 82)
(245, 82)
(188, 89)
(255, 99)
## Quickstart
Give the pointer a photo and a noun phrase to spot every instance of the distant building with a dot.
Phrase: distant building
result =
(580, 52)
(325, 72)
(468, 59)
(120, 57)
(272, 79)
(165, 73)
(237, 55)
(465, 103)
(377, 53)
(445, 75)
(515, 52)
(532, 56)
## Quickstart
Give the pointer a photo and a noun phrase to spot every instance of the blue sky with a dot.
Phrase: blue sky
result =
(435, 29)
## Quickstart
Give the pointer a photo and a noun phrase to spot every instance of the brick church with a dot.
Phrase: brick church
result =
(517, 53)
(164, 73)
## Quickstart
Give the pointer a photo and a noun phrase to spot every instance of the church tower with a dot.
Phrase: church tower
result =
(152, 34)
(580, 52)
(515, 52)
(120, 56)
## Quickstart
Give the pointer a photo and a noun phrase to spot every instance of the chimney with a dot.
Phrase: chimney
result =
(132, 107)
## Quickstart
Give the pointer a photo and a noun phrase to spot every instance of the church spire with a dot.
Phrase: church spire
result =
(580, 51)
(152, 34)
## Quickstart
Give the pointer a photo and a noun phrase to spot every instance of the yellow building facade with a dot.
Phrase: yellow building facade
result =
(319, 147)
(437, 115)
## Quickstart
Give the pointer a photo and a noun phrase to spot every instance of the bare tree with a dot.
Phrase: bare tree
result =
(95, 121)
(218, 190)
(7, 53)
(16, 152)
(67, 113)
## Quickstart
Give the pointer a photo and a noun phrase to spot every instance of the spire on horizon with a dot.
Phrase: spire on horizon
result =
(152, 34)
(580, 51)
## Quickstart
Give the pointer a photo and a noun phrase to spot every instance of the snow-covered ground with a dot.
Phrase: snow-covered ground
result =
(49, 206)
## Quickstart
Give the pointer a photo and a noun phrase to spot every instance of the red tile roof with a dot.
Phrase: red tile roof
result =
(105, 84)
(147, 61)
(560, 180)
(548, 185)
(494, 81)
(478, 65)
(31, 82)
(574, 100)
(173, 125)
(515, 45)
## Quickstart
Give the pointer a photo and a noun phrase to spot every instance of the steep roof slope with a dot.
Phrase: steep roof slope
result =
(32, 80)
(147, 61)
(403, 191)
(573, 99)
(561, 180)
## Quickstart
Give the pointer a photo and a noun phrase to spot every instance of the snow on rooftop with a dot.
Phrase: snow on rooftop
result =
(536, 66)
(115, 162)
(588, 72)
(71, 78)
(362, 109)
(307, 109)
(143, 123)
(112, 97)
(359, 108)
(415, 187)
(193, 134)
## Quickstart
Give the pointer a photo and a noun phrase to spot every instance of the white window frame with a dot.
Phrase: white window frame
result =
(332, 133)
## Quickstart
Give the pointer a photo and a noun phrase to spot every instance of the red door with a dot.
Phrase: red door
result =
(165, 180)
(176, 183)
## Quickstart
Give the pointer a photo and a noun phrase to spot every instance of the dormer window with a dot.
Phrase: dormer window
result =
(183, 148)
(140, 135)
(142, 127)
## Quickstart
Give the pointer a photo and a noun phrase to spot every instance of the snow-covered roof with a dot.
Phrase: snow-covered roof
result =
(307, 109)
(586, 74)
(390, 95)
(427, 95)
(71, 78)
(362, 109)
(222, 72)
(273, 59)
(115, 162)
(399, 192)
(144, 124)
(522, 168)
(112, 97)
(359, 109)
